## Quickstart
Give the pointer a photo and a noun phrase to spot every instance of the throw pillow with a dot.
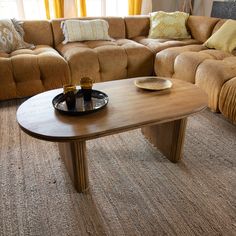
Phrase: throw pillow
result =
(10, 39)
(81, 30)
(18, 27)
(225, 38)
(169, 25)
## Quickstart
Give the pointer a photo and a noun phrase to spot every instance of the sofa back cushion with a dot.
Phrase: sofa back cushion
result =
(116, 27)
(201, 27)
(218, 25)
(38, 32)
(137, 26)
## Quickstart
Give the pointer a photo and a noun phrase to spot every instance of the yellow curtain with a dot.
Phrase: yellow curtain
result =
(47, 9)
(83, 10)
(135, 7)
(58, 8)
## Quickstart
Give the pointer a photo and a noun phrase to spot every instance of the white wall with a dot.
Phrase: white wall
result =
(167, 5)
(146, 7)
(201, 7)
(164, 5)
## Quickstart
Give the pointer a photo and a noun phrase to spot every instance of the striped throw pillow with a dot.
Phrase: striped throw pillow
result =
(82, 30)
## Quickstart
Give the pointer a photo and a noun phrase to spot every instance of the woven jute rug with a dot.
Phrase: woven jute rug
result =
(134, 189)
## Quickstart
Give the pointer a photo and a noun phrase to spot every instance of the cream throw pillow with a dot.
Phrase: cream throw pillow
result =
(81, 30)
(170, 25)
(225, 38)
(10, 39)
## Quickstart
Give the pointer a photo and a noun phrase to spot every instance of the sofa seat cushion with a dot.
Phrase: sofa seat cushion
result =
(209, 69)
(187, 63)
(212, 74)
(165, 59)
(26, 72)
(227, 100)
(107, 60)
(157, 45)
(36, 51)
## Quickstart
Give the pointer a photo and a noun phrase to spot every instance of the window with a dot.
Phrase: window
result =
(8, 8)
(107, 7)
(35, 9)
(22, 9)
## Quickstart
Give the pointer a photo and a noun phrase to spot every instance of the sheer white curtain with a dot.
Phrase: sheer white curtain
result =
(22, 9)
(107, 7)
(114, 7)
(35, 9)
(70, 9)
(146, 7)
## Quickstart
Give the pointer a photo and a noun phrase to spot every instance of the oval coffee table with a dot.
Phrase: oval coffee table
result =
(162, 116)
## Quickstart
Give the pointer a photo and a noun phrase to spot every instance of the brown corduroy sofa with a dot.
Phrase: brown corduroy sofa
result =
(51, 64)
(26, 72)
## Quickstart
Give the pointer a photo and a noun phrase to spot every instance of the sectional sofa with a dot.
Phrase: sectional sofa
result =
(51, 64)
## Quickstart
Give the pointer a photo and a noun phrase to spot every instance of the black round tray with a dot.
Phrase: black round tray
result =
(98, 101)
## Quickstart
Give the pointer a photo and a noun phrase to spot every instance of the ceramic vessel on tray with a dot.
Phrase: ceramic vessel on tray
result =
(97, 101)
(69, 91)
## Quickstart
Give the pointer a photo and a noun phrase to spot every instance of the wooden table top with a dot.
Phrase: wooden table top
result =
(128, 108)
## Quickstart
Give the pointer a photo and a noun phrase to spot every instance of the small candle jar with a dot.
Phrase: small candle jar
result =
(70, 95)
(86, 88)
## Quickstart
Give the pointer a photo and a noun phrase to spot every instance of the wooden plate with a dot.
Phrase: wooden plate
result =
(153, 83)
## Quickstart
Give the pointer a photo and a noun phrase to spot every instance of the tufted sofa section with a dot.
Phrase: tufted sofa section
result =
(131, 53)
(26, 72)
(227, 100)
(105, 60)
(137, 28)
(212, 70)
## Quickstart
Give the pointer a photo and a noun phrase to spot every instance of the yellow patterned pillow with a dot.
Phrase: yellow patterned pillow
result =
(170, 25)
(225, 38)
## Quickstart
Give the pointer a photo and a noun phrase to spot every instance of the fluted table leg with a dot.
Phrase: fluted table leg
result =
(74, 156)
